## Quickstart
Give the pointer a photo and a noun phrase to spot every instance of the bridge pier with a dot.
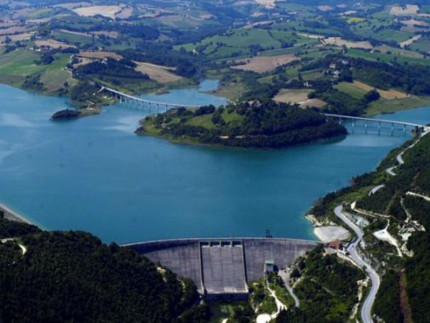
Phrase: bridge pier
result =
(365, 127)
(379, 128)
(392, 129)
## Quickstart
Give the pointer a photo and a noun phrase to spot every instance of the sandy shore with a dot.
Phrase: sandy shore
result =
(11, 215)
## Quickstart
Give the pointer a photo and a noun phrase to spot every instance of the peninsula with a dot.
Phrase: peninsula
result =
(256, 124)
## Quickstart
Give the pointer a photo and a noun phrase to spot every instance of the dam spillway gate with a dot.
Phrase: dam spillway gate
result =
(221, 267)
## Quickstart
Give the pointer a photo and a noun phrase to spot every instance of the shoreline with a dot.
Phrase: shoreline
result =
(12, 215)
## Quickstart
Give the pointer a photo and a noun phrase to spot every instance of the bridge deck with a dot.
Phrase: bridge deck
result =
(375, 120)
(149, 102)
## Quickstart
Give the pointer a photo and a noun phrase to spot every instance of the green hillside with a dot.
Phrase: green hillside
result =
(74, 277)
(256, 124)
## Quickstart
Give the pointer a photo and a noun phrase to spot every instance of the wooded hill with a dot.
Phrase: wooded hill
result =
(258, 124)
(74, 277)
(405, 285)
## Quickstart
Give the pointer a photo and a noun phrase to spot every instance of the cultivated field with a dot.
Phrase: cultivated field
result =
(337, 41)
(325, 8)
(298, 96)
(111, 34)
(263, 64)
(13, 30)
(7, 23)
(355, 20)
(55, 44)
(292, 96)
(17, 37)
(100, 55)
(409, 9)
(313, 103)
(411, 25)
(161, 74)
(410, 41)
(105, 11)
(354, 90)
(16, 65)
(72, 5)
(266, 3)
(125, 13)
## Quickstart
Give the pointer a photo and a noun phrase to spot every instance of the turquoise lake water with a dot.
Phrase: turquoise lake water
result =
(94, 174)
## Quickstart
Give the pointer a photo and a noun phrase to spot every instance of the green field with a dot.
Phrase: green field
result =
(389, 106)
(392, 35)
(350, 89)
(422, 45)
(359, 53)
(14, 66)
(240, 42)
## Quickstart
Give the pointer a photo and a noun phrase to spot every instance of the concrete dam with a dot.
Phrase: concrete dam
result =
(223, 267)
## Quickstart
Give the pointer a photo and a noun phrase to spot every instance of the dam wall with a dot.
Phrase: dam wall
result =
(223, 266)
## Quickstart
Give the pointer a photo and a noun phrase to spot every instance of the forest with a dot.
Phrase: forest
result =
(409, 274)
(116, 71)
(327, 288)
(74, 277)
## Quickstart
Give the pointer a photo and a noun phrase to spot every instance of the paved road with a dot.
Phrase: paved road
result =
(375, 189)
(366, 310)
(391, 171)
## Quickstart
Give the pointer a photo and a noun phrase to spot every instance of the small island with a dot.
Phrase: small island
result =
(253, 124)
(72, 114)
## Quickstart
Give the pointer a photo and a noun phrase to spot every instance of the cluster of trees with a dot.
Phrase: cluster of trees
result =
(14, 229)
(260, 124)
(83, 93)
(45, 59)
(414, 176)
(387, 305)
(184, 63)
(412, 79)
(89, 24)
(33, 82)
(110, 69)
(74, 277)
(327, 289)
(418, 268)
(67, 114)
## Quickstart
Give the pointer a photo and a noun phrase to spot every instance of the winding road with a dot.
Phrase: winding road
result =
(366, 309)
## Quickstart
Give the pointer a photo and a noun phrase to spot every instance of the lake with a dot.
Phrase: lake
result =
(94, 174)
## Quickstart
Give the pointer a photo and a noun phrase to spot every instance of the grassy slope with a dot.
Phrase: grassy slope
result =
(15, 65)
(390, 106)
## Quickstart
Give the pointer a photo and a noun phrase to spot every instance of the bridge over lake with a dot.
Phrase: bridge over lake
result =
(147, 105)
(392, 124)
(223, 266)
(157, 106)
